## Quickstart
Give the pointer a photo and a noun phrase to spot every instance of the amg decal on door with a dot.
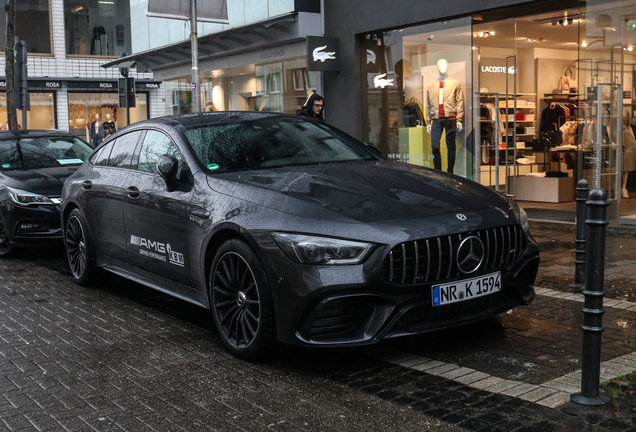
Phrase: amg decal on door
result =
(157, 250)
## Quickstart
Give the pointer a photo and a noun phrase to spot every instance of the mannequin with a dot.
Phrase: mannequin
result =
(97, 131)
(628, 162)
(109, 126)
(445, 112)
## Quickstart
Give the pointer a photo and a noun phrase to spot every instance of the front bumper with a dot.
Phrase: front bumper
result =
(32, 225)
(354, 305)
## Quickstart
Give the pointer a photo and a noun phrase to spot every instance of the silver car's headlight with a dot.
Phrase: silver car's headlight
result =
(305, 249)
(22, 197)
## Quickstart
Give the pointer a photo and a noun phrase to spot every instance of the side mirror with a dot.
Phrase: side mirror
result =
(167, 167)
(373, 147)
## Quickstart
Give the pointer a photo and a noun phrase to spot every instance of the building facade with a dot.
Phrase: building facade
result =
(67, 43)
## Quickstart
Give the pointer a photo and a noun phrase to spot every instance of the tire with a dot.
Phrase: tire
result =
(79, 249)
(241, 302)
(7, 250)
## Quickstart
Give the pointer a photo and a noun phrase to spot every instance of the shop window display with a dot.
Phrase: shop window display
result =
(32, 23)
(97, 28)
(40, 116)
(84, 108)
(414, 91)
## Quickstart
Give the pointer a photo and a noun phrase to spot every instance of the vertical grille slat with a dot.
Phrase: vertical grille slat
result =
(434, 259)
(428, 259)
(450, 257)
(403, 262)
(440, 253)
(417, 262)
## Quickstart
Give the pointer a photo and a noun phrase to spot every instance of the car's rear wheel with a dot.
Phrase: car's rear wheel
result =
(79, 248)
(6, 248)
(241, 301)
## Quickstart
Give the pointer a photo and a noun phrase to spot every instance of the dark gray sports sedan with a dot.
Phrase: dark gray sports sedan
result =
(291, 231)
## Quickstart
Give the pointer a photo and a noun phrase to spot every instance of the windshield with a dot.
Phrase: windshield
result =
(42, 152)
(271, 142)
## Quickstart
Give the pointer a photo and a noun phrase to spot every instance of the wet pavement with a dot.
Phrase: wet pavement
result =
(119, 356)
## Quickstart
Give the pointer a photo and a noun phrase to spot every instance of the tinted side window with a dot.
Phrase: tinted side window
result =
(155, 145)
(123, 149)
(101, 157)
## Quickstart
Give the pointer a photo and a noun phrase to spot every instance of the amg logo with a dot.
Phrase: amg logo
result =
(148, 244)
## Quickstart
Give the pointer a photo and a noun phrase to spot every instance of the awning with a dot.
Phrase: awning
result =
(284, 29)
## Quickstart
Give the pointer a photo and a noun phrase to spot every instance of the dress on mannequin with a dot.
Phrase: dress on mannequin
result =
(445, 112)
(628, 163)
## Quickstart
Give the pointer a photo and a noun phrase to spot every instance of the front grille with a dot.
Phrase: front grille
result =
(434, 259)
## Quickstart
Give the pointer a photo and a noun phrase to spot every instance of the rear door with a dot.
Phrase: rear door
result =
(103, 192)
(155, 214)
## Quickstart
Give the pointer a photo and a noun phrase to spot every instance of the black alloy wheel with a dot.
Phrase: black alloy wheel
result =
(6, 248)
(79, 250)
(241, 301)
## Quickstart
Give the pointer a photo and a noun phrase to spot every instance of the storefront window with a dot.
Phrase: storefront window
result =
(179, 96)
(31, 24)
(99, 28)
(275, 87)
(82, 108)
(402, 90)
(40, 116)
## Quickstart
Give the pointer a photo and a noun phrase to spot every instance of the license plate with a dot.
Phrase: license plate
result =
(466, 289)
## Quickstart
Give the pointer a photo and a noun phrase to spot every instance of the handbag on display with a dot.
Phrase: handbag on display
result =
(555, 136)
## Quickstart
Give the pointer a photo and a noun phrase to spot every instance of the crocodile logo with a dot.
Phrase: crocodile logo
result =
(381, 81)
(321, 55)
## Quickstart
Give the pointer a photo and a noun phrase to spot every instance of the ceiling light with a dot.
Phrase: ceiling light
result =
(491, 33)
(583, 44)
(77, 8)
(480, 34)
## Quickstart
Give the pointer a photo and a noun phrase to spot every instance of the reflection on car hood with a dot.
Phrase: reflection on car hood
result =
(45, 181)
(368, 192)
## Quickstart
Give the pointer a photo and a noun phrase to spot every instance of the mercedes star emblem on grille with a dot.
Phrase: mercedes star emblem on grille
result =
(470, 254)
(461, 217)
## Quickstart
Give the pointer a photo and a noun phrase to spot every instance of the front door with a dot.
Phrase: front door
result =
(155, 214)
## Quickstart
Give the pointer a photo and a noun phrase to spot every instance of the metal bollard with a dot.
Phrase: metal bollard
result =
(581, 210)
(594, 292)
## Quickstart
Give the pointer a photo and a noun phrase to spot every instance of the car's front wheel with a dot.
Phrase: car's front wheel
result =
(241, 301)
(6, 248)
(79, 248)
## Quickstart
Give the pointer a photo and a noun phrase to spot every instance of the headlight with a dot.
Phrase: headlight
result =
(21, 197)
(306, 249)
(523, 220)
(521, 214)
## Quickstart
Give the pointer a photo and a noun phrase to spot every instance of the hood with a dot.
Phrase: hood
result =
(44, 181)
(363, 192)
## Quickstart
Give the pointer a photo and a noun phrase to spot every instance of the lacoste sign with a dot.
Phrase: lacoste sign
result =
(323, 54)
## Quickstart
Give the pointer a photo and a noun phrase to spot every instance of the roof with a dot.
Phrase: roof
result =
(277, 31)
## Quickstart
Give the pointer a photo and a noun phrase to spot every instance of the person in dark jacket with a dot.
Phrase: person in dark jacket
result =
(314, 107)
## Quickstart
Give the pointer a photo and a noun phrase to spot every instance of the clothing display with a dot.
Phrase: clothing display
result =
(450, 126)
(99, 42)
(109, 128)
(629, 149)
(412, 114)
(452, 98)
(97, 133)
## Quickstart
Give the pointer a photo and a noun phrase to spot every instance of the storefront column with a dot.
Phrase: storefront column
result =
(62, 108)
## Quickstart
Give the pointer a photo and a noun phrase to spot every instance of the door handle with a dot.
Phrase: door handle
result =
(87, 184)
(133, 192)
(200, 214)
